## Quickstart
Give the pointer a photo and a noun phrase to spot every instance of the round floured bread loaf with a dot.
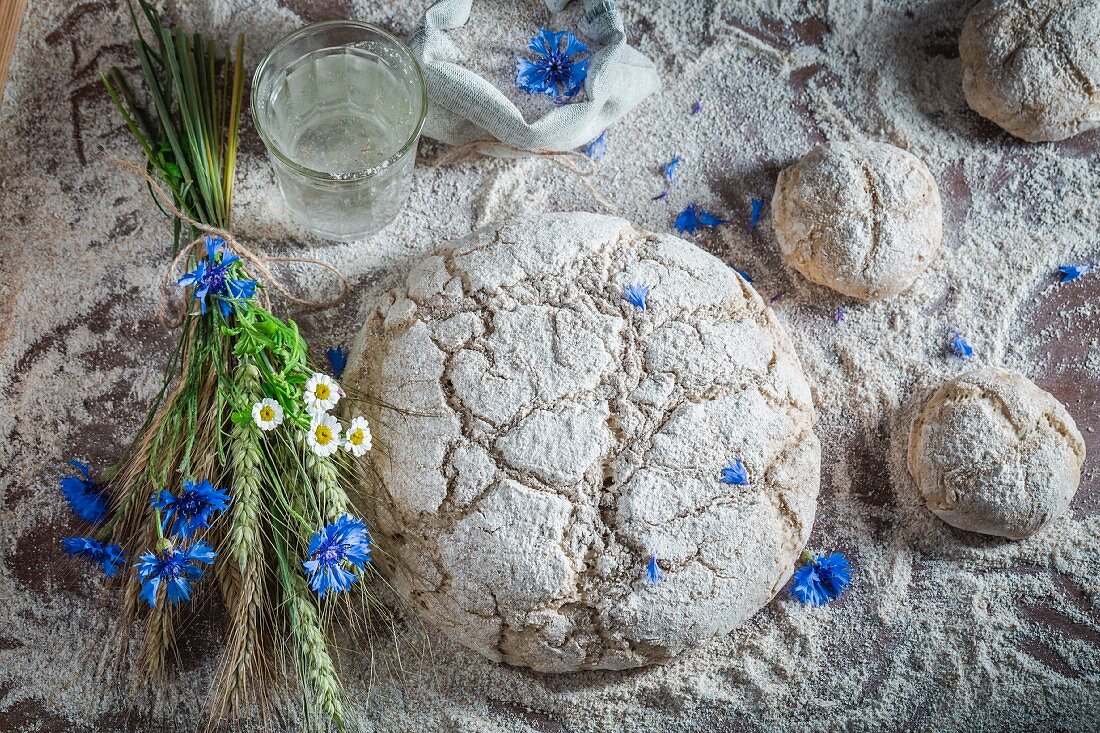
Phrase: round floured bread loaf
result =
(862, 218)
(993, 453)
(549, 449)
(1033, 66)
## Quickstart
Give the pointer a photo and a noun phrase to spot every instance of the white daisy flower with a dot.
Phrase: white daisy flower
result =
(357, 438)
(268, 414)
(322, 393)
(324, 434)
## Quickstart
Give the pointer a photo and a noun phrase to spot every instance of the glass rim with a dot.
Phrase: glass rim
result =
(322, 175)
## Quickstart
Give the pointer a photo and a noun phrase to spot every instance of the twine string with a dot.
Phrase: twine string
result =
(580, 165)
(257, 262)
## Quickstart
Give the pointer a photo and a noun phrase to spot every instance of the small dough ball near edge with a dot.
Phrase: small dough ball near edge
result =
(993, 453)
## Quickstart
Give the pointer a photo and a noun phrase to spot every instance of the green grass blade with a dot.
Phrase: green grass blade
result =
(236, 97)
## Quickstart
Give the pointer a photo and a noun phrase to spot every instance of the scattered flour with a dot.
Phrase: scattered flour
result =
(941, 628)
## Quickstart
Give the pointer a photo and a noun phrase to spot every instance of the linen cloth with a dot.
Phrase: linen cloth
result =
(464, 106)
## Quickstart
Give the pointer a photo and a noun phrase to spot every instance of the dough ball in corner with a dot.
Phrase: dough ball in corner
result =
(1033, 67)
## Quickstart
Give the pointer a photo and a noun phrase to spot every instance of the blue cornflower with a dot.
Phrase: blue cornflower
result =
(693, 217)
(597, 148)
(653, 572)
(744, 275)
(757, 212)
(87, 499)
(191, 510)
(636, 295)
(959, 346)
(670, 170)
(344, 542)
(1072, 272)
(735, 474)
(176, 568)
(696, 108)
(560, 68)
(211, 277)
(109, 556)
(337, 359)
(821, 579)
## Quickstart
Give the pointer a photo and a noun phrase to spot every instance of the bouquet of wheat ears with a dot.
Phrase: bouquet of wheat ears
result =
(238, 481)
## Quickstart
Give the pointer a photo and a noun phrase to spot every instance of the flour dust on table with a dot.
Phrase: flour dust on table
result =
(940, 627)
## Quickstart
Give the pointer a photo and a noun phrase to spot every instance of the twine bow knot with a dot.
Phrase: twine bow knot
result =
(258, 263)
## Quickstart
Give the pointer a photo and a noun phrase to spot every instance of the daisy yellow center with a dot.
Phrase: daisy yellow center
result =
(267, 414)
(323, 435)
(322, 392)
(356, 437)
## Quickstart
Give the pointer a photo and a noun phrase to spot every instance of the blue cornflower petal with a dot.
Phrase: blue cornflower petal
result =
(110, 557)
(709, 220)
(670, 170)
(211, 278)
(778, 296)
(174, 567)
(560, 66)
(337, 359)
(744, 275)
(838, 316)
(1072, 272)
(575, 77)
(653, 572)
(241, 289)
(696, 108)
(636, 294)
(735, 474)
(214, 245)
(325, 579)
(573, 46)
(661, 195)
(533, 79)
(822, 579)
(199, 552)
(757, 213)
(693, 217)
(87, 499)
(195, 276)
(959, 346)
(597, 148)
(184, 515)
(343, 543)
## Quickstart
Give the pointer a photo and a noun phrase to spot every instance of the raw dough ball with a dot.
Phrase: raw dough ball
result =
(993, 453)
(1033, 66)
(543, 438)
(861, 218)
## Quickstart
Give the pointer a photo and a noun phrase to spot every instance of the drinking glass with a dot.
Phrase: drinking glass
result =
(339, 106)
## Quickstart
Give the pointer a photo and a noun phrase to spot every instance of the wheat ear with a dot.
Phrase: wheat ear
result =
(243, 550)
(322, 472)
(318, 672)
